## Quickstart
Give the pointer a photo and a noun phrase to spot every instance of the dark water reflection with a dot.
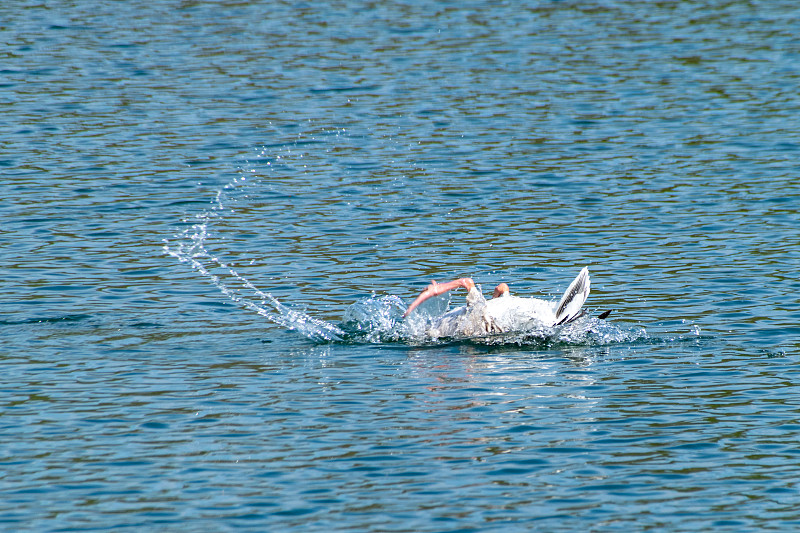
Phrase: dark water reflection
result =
(339, 151)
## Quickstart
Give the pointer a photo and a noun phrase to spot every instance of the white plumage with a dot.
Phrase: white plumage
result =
(503, 313)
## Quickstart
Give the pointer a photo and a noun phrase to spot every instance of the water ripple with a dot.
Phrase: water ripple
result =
(311, 169)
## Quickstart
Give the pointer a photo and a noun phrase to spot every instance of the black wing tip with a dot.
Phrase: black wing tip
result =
(568, 319)
(604, 314)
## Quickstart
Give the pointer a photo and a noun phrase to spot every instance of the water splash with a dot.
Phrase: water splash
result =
(191, 247)
(376, 319)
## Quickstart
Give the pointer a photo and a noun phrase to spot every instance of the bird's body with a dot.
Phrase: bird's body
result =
(503, 313)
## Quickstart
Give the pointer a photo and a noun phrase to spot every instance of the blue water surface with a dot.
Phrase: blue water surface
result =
(213, 214)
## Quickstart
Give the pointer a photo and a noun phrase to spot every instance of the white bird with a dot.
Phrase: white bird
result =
(504, 313)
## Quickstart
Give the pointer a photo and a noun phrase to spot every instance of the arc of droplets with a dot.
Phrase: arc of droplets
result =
(190, 248)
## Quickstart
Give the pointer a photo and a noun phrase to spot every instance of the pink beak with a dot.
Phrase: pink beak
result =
(435, 289)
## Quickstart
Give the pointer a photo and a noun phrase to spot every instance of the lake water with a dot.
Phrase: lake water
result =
(211, 213)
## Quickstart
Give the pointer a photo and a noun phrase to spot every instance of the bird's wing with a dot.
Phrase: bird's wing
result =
(569, 308)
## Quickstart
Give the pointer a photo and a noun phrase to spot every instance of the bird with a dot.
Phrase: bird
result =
(504, 312)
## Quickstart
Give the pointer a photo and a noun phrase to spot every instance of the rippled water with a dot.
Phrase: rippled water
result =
(197, 197)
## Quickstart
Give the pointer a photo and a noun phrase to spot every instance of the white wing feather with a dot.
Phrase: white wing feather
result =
(569, 308)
